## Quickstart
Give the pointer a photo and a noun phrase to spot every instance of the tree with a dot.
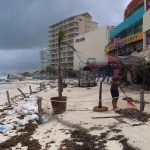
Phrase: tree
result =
(61, 37)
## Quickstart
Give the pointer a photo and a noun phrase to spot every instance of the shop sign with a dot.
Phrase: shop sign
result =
(125, 41)
(133, 38)
(109, 48)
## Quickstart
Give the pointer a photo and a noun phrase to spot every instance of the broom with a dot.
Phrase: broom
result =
(128, 99)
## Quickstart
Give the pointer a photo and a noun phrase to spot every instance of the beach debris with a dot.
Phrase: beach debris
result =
(23, 94)
(73, 82)
(5, 128)
(8, 99)
(30, 89)
(44, 118)
(12, 77)
(32, 117)
(22, 122)
(131, 122)
(24, 139)
(27, 107)
(133, 114)
(80, 139)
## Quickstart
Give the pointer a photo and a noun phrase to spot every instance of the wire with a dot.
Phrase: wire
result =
(74, 51)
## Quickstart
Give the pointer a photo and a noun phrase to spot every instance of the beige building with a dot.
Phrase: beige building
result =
(73, 26)
(146, 34)
(146, 29)
(91, 46)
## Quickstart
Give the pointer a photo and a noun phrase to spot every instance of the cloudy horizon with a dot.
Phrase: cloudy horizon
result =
(24, 26)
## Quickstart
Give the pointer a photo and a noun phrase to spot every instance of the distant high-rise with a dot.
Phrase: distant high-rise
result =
(43, 58)
(74, 26)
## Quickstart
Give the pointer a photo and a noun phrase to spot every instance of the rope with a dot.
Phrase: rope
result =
(105, 99)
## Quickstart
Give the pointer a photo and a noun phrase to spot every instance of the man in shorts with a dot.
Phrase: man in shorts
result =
(114, 91)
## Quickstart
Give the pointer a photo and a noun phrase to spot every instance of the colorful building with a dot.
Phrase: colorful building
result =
(127, 37)
(146, 26)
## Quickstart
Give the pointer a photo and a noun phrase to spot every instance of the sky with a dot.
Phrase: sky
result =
(24, 26)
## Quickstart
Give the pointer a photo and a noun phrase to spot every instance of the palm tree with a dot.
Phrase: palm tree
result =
(61, 36)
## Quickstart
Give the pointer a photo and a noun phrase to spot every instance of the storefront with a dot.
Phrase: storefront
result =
(126, 45)
(148, 39)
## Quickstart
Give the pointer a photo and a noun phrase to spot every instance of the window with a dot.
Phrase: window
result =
(80, 40)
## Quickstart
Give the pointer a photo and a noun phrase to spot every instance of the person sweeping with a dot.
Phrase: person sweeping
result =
(114, 91)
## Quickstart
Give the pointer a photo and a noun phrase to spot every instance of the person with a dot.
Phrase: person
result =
(114, 91)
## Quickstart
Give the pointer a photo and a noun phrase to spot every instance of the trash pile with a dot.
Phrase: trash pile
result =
(134, 114)
(22, 140)
(19, 115)
(27, 107)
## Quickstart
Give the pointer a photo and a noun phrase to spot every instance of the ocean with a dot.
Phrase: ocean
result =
(3, 76)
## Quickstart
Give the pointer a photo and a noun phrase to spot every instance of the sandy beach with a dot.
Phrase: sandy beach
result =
(79, 128)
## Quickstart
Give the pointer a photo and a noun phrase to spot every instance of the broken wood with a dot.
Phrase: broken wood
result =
(39, 103)
(8, 98)
(22, 93)
(42, 85)
(106, 117)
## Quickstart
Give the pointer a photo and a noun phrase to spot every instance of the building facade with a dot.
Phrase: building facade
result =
(146, 26)
(90, 47)
(127, 37)
(44, 58)
(73, 27)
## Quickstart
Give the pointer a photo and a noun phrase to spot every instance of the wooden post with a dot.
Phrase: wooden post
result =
(100, 96)
(8, 98)
(21, 93)
(30, 89)
(142, 104)
(40, 87)
(39, 103)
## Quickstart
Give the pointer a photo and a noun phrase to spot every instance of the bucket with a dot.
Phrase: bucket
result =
(58, 104)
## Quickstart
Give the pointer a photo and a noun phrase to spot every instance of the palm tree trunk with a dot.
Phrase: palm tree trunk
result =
(59, 74)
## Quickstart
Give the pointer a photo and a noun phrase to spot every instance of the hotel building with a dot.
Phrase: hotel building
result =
(73, 26)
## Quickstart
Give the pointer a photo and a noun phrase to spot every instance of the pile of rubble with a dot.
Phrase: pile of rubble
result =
(134, 114)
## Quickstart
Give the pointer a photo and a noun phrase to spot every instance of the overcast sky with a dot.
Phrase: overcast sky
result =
(24, 26)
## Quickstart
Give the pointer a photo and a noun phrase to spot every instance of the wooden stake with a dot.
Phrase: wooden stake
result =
(21, 93)
(142, 103)
(39, 102)
(8, 98)
(100, 96)
(30, 89)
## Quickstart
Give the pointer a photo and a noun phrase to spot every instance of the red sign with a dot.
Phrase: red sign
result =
(112, 59)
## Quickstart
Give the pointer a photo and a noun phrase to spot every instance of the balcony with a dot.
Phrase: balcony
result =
(137, 16)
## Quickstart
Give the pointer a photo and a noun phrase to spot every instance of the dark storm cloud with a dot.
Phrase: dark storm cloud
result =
(24, 26)
(19, 60)
(24, 23)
